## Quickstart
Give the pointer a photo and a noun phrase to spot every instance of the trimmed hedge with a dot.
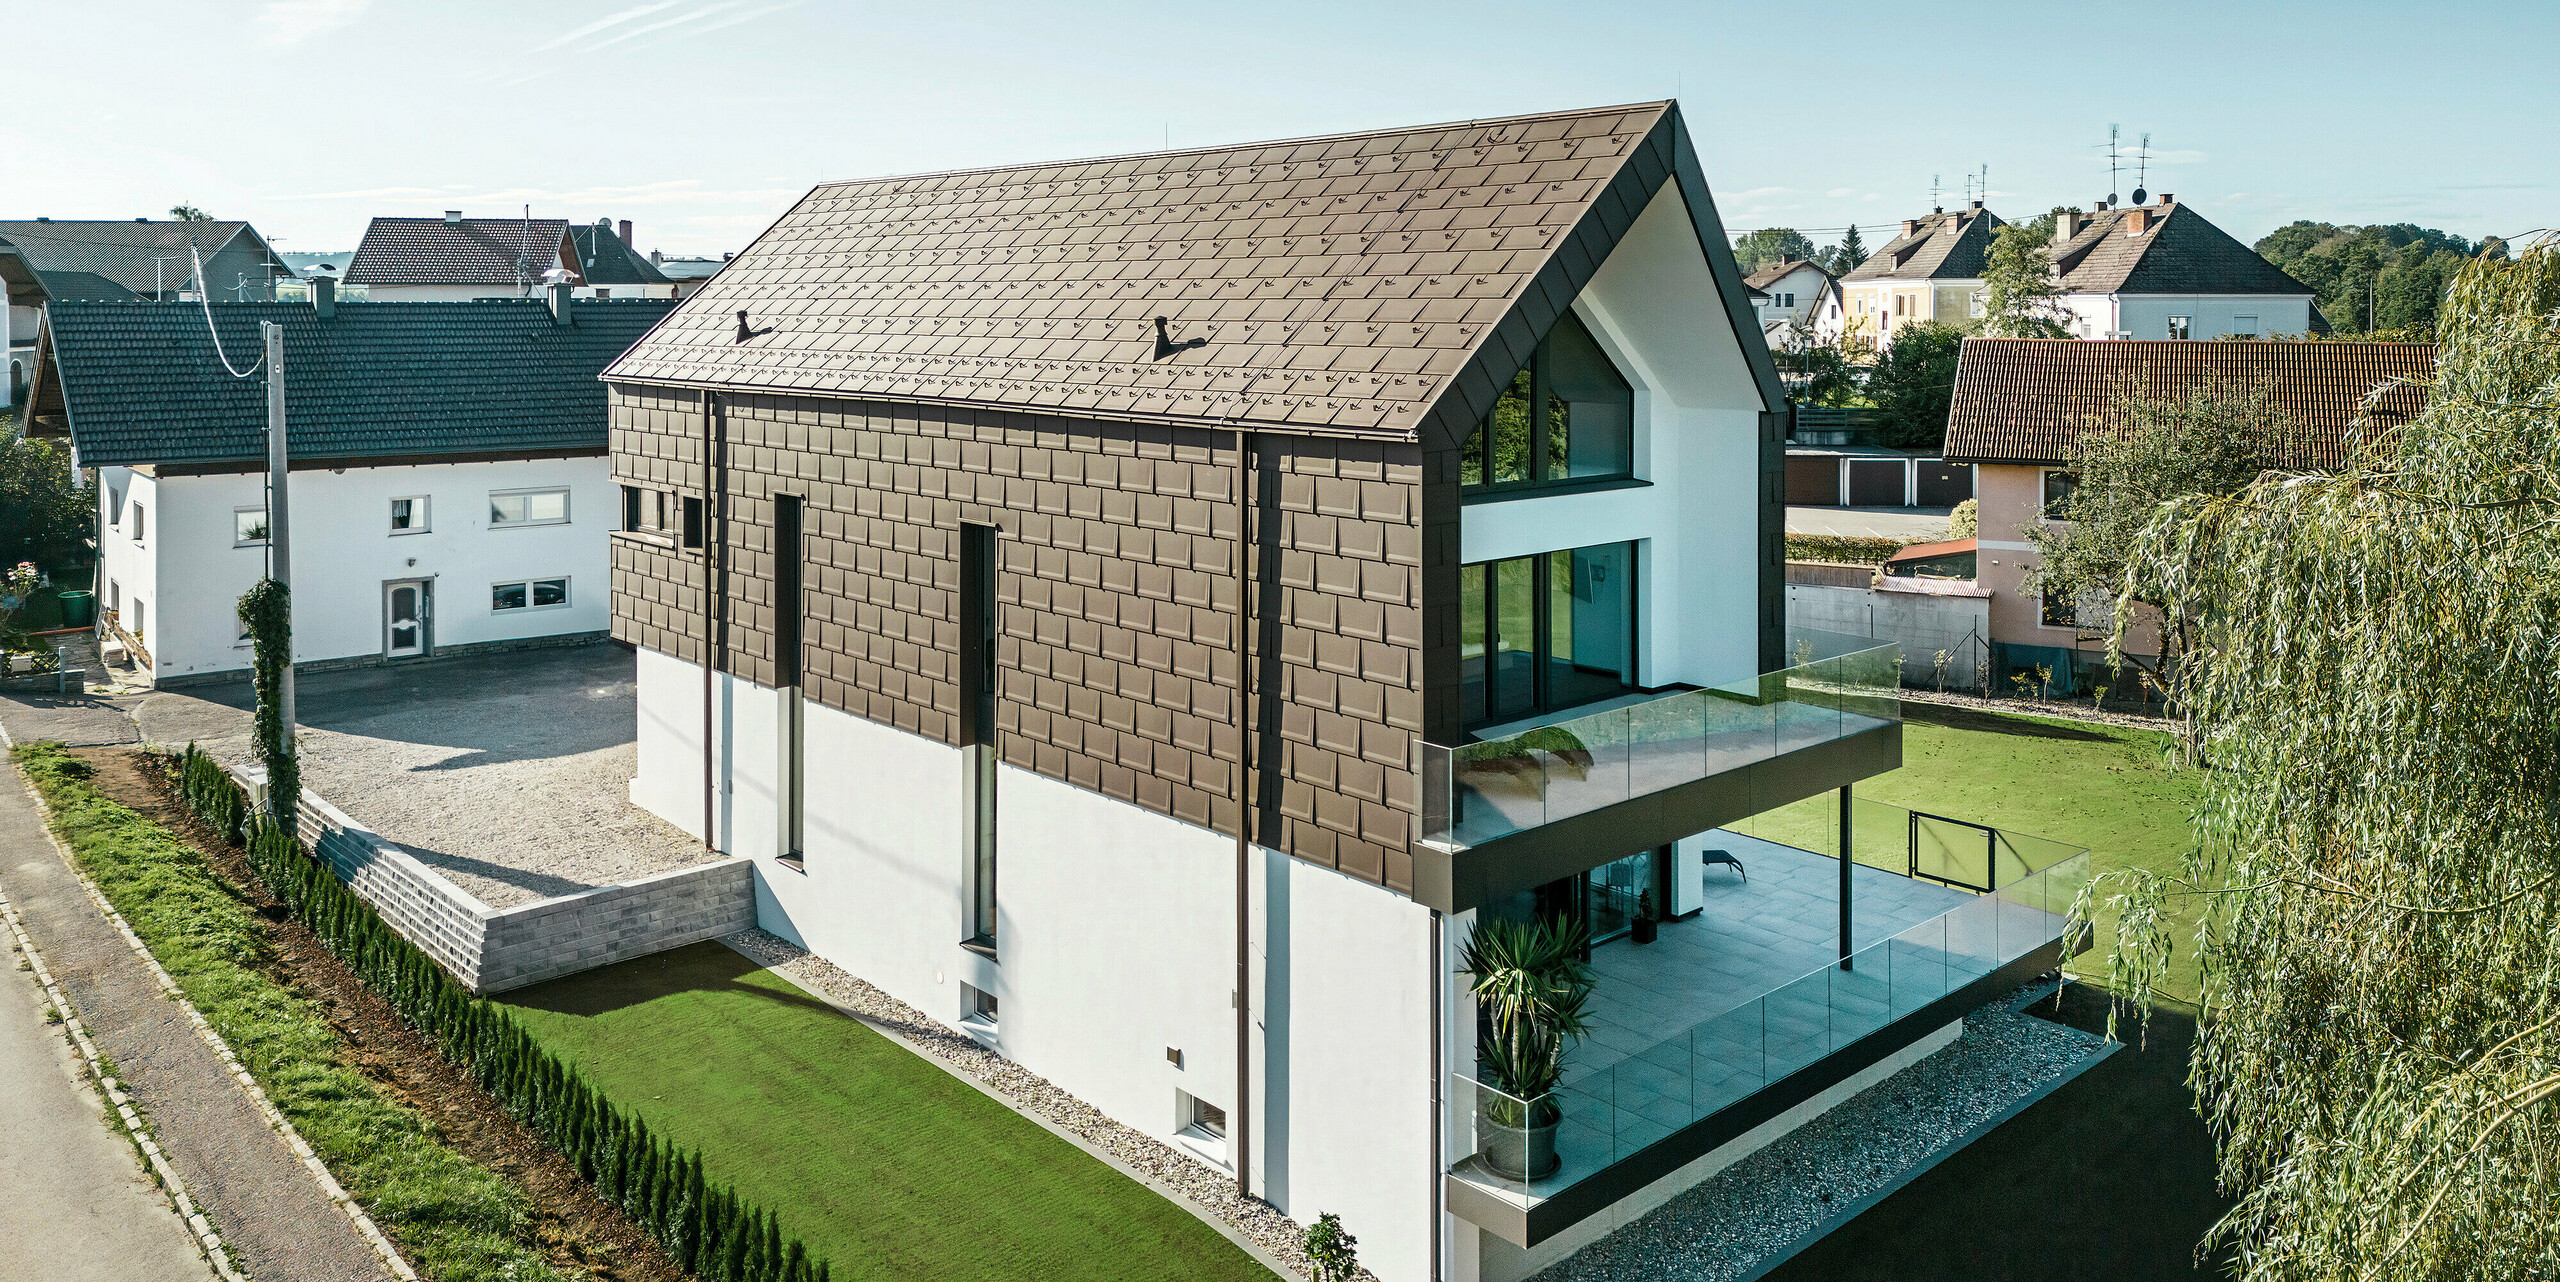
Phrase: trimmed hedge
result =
(708, 1229)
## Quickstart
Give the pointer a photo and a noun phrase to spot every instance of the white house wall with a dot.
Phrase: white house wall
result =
(1655, 309)
(2146, 316)
(1116, 944)
(344, 552)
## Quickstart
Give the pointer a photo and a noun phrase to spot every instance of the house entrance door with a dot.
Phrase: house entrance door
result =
(407, 612)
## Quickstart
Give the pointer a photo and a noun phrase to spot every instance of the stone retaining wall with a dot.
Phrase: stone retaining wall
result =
(490, 950)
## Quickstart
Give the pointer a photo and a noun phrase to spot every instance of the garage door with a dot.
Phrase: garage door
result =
(1944, 484)
(1813, 481)
(1875, 482)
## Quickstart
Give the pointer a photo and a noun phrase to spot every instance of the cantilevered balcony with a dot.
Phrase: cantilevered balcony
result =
(1548, 798)
(1736, 1015)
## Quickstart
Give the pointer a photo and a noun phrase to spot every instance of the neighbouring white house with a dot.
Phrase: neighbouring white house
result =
(1160, 671)
(449, 488)
(1800, 297)
(1931, 271)
(2161, 271)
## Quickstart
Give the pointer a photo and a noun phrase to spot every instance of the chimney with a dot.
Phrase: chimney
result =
(1975, 206)
(2065, 225)
(453, 218)
(1910, 226)
(2167, 200)
(2136, 221)
(560, 314)
(324, 297)
(626, 233)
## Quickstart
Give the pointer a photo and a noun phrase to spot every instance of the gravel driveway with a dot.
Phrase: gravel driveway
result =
(509, 773)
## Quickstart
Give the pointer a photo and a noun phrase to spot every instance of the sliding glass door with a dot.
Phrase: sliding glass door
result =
(1543, 633)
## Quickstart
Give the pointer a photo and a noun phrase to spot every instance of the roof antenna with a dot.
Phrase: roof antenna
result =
(2142, 171)
(1934, 206)
(2113, 163)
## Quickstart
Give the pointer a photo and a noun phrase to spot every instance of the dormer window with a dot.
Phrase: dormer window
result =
(1568, 418)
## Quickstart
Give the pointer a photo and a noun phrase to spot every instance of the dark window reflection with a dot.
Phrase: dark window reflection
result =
(1546, 632)
(1568, 416)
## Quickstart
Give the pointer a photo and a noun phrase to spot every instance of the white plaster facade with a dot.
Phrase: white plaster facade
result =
(2152, 316)
(188, 569)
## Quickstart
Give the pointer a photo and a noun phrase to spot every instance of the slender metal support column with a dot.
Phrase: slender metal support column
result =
(1240, 1122)
(1845, 863)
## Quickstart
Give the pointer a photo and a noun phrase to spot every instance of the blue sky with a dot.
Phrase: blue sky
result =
(701, 120)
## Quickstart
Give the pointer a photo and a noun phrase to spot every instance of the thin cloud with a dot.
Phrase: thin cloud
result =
(1837, 192)
(609, 20)
(682, 19)
(289, 22)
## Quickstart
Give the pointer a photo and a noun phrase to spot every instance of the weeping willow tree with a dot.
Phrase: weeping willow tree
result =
(2377, 705)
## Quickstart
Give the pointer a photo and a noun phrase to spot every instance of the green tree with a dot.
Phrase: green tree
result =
(2348, 268)
(187, 213)
(2377, 846)
(1768, 245)
(2021, 297)
(1847, 254)
(46, 516)
(2212, 440)
(1913, 381)
(1817, 373)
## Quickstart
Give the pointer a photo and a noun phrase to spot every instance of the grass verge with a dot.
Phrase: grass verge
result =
(456, 1220)
(893, 1168)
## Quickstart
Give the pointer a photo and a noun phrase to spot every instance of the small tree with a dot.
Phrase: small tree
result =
(267, 609)
(45, 514)
(1770, 245)
(187, 213)
(1845, 256)
(1914, 381)
(1333, 1253)
(2020, 296)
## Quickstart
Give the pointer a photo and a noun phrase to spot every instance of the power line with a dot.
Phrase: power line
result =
(204, 302)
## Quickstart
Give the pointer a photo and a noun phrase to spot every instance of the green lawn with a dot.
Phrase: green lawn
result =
(888, 1165)
(2100, 786)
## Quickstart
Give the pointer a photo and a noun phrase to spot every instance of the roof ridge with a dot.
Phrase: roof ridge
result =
(1161, 153)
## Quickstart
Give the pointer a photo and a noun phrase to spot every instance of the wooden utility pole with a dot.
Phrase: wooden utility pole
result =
(279, 544)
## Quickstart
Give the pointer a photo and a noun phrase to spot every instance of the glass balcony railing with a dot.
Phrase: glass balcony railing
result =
(1526, 1151)
(1477, 792)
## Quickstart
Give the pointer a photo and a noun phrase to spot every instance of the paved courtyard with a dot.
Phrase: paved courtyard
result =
(509, 773)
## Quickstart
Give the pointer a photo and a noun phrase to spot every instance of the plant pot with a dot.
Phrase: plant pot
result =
(1643, 929)
(1512, 1151)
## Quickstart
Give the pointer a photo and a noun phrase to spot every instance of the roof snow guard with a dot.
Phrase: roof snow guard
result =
(1344, 285)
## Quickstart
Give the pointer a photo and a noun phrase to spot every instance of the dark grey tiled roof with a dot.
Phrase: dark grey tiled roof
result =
(1932, 251)
(119, 253)
(87, 285)
(141, 382)
(1776, 272)
(475, 251)
(602, 259)
(1341, 283)
(2179, 252)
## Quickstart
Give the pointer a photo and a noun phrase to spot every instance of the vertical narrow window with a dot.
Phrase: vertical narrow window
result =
(978, 724)
(630, 507)
(692, 522)
(788, 612)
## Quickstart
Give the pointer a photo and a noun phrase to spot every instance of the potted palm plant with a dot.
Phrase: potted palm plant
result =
(1531, 981)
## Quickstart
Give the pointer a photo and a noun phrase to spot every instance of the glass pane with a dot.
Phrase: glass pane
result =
(1510, 436)
(1591, 430)
(1471, 459)
(507, 596)
(551, 592)
(1513, 679)
(400, 514)
(553, 506)
(1614, 888)
(1591, 624)
(249, 527)
(404, 637)
(1471, 643)
(504, 508)
(404, 605)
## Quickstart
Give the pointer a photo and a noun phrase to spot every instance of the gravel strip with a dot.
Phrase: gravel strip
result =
(1772, 1201)
(2077, 708)
(1209, 1189)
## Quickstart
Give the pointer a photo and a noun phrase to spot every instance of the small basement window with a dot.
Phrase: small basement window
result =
(528, 594)
(528, 507)
(1202, 1129)
(977, 1009)
(248, 527)
(409, 515)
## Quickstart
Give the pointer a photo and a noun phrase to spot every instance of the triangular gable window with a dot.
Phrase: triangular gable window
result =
(1568, 418)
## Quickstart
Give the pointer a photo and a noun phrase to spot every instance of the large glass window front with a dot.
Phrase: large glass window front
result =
(1546, 632)
(1568, 417)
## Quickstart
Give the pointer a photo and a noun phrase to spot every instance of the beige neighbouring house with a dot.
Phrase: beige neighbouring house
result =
(1932, 271)
(2022, 405)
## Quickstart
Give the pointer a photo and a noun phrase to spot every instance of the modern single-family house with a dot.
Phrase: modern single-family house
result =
(449, 485)
(456, 259)
(2161, 271)
(599, 262)
(1147, 611)
(2022, 406)
(1932, 271)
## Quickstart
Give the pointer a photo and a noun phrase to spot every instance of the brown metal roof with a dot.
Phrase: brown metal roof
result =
(474, 251)
(1339, 284)
(2027, 400)
(2178, 252)
(1943, 246)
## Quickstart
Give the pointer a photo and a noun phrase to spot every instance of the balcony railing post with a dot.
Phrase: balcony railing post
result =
(1846, 834)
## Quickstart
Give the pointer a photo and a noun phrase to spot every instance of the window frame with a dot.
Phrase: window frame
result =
(141, 523)
(567, 513)
(422, 512)
(567, 598)
(240, 541)
(1541, 430)
(2046, 499)
(2182, 327)
(1542, 632)
(981, 1012)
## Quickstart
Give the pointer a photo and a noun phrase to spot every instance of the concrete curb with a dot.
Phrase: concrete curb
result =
(208, 1238)
(329, 1186)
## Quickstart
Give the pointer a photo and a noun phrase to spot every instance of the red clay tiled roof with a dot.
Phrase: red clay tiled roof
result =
(476, 251)
(1340, 283)
(2027, 400)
